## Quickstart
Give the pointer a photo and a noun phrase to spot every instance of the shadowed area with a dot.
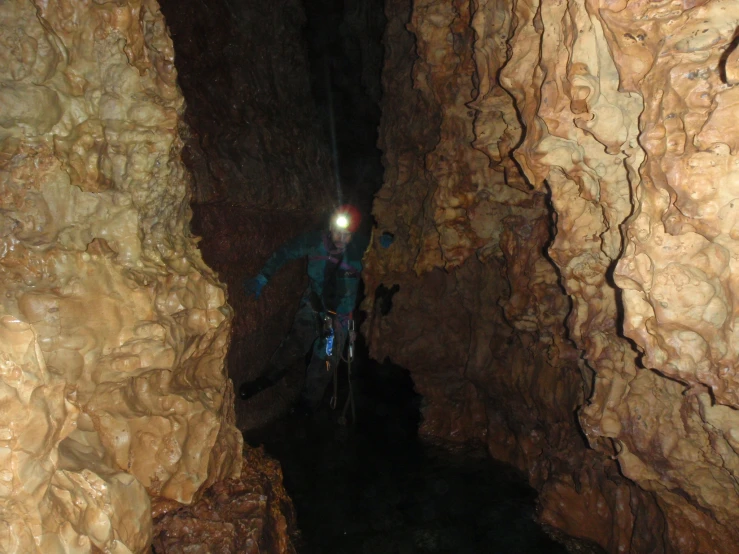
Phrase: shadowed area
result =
(374, 487)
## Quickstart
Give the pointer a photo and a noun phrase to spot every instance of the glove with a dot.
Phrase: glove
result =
(255, 285)
(386, 239)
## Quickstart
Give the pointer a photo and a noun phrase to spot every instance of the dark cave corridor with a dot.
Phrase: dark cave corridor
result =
(371, 485)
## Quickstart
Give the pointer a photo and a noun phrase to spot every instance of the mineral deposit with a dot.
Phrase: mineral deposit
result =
(561, 187)
(112, 329)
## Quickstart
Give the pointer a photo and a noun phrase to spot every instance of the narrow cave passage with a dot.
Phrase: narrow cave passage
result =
(373, 487)
(261, 153)
(555, 212)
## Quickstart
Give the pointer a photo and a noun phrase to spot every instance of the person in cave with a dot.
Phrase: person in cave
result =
(323, 321)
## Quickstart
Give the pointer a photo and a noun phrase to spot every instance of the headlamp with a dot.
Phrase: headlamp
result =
(346, 218)
(342, 222)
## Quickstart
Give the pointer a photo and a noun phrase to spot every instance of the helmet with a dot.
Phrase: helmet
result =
(346, 218)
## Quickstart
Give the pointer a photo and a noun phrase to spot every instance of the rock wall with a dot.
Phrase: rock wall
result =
(261, 171)
(559, 183)
(248, 515)
(113, 330)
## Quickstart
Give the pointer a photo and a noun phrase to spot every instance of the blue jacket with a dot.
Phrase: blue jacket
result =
(334, 277)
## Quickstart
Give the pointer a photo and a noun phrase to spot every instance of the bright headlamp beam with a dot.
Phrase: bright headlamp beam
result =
(342, 222)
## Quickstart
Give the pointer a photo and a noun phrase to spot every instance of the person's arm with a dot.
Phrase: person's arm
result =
(294, 249)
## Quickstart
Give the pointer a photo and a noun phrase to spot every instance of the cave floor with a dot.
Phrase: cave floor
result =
(375, 487)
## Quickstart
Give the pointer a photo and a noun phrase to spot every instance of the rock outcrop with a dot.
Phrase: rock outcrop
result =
(559, 183)
(113, 331)
(248, 515)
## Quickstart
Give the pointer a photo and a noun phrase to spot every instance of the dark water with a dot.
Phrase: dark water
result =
(374, 487)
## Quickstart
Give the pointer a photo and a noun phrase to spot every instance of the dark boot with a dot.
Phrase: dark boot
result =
(270, 377)
(248, 390)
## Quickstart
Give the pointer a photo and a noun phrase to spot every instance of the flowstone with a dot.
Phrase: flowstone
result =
(113, 329)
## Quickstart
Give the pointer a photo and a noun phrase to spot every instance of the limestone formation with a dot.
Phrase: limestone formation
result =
(248, 515)
(113, 329)
(560, 183)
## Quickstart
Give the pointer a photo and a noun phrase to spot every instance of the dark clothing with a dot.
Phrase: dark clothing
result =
(307, 332)
(334, 277)
(334, 282)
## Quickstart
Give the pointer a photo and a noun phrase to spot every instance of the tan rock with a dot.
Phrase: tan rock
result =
(114, 330)
(608, 129)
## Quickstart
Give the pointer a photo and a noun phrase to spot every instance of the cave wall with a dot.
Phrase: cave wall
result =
(559, 182)
(262, 170)
(113, 329)
(344, 41)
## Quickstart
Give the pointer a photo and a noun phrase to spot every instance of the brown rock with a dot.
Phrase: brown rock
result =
(114, 330)
(585, 266)
(250, 514)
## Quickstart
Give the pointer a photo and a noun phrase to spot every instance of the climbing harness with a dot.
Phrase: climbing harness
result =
(328, 333)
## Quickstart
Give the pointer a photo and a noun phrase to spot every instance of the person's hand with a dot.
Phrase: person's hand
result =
(255, 285)
(352, 336)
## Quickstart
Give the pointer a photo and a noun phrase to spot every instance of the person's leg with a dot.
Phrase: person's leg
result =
(293, 347)
(319, 373)
(303, 333)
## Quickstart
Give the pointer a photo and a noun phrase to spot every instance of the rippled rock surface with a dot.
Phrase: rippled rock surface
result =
(559, 181)
(249, 515)
(113, 330)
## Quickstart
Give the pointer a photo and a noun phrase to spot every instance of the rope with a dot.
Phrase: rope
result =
(350, 398)
(336, 385)
(348, 360)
